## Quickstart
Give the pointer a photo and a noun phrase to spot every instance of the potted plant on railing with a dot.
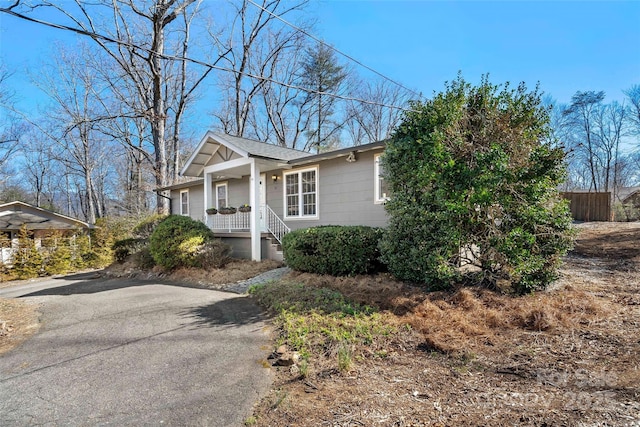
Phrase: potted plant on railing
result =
(227, 210)
(244, 208)
(212, 211)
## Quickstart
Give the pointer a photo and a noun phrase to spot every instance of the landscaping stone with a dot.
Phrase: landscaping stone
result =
(242, 287)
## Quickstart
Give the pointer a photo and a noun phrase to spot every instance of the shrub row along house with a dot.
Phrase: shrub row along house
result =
(274, 190)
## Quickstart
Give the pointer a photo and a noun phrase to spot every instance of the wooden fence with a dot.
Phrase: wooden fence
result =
(589, 206)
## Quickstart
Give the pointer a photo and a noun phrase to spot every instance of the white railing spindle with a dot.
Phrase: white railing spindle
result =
(241, 221)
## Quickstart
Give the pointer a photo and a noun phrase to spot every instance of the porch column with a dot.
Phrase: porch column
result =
(254, 201)
(208, 195)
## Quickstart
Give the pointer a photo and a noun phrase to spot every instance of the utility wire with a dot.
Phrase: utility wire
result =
(306, 33)
(196, 61)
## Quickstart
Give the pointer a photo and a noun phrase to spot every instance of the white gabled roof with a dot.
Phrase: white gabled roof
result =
(244, 147)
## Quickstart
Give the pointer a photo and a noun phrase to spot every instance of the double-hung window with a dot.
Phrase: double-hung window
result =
(301, 193)
(222, 195)
(184, 202)
(381, 186)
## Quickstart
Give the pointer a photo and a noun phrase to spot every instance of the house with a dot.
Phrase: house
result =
(291, 189)
(15, 215)
(627, 205)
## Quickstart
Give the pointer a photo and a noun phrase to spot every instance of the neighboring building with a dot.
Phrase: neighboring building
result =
(627, 207)
(14, 215)
(292, 189)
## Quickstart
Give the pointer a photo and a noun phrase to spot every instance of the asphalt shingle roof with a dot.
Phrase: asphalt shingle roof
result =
(261, 149)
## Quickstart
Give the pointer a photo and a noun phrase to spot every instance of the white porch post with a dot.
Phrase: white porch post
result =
(254, 201)
(208, 195)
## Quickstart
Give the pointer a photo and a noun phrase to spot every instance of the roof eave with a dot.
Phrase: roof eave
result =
(338, 153)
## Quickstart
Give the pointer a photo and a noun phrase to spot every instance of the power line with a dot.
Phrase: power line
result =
(306, 33)
(197, 61)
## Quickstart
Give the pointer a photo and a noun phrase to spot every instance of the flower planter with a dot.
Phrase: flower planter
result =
(212, 211)
(244, 208)
(227, 211)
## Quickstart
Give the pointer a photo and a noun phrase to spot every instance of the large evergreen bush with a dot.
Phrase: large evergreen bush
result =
(472, 183)
(27, 260)
(57, 254)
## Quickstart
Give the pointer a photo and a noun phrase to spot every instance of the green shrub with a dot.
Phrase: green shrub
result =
(177, 241)
(59, 259)
(473, 183)
(82, 256)
(27, 260)
(125, 247)
(334, 250)
(625, 212)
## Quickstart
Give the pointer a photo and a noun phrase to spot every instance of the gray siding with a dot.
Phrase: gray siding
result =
(345, 194)
(241, 245)
(196, 202)
(239, 191)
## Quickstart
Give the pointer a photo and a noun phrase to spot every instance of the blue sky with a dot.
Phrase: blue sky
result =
(566, 46)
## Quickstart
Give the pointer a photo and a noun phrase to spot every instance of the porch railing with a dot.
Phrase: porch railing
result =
(274, 224)
(241, 221)
(233, 222)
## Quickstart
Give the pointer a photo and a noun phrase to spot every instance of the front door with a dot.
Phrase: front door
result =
(263, 201)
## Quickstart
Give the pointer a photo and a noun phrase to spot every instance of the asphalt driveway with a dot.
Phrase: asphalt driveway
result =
(126, 352)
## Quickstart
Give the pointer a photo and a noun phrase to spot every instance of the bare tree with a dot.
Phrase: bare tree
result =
(374, 122)
(610, 121)
(580, 115)
(257, 45)
(39, 168)
(633, 96)
(10, 124)
(136, 163)
(74, 115)
(284, 113)
(148, 44)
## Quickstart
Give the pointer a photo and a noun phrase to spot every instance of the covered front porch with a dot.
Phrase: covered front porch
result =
(242, 174)
(246, 218)
(240, 221)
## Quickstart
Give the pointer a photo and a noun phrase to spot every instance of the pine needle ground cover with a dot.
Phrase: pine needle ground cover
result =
(467, 356)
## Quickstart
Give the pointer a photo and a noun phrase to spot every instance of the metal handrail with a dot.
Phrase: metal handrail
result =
(275, 225)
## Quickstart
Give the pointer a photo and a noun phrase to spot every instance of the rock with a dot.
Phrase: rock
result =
(282, 349)
(288, 359)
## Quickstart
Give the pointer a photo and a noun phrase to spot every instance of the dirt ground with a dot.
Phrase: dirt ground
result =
(18, 321)
(569, 356)
(566, 357)
(214, 278)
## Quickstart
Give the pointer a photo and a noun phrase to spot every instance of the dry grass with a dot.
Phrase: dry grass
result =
(18, 321)
(468, 318)
(567, 356)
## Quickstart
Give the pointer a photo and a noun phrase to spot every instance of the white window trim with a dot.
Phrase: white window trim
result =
(377, 197)
(180, 201)
(300, 199)
(222, 184)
